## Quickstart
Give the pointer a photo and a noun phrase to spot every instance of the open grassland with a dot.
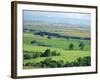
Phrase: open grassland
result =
(61, 29)
(66, 55)
(70, 41)
(60, 45)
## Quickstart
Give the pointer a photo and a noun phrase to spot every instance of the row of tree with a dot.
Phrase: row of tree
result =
(49, 34)
(46, 53)
(71, 45)
(81, 46)
(50, 63)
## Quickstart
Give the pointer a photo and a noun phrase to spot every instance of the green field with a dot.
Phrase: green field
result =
(60, 45)
(53, 39)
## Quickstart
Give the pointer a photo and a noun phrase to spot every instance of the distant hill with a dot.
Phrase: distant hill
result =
(64, 29)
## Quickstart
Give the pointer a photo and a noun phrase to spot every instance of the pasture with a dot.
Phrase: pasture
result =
(60, 45)
(53, 39)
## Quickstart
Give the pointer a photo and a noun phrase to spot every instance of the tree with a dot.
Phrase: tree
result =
(49, 37)
(67, 64)
(36, 54)
(34, 41)
(54, 53)
(60, 63)
(71, 46)
(52, 64)
(27, 56)
(87, 61)
(46, 62)
(47, 53)
(81, 45)
(67, 38)
(41, 35)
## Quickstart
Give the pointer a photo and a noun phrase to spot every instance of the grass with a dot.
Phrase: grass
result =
(55, 42)
(42, 49)
(58, 44)
(59, 29)
(67, 56)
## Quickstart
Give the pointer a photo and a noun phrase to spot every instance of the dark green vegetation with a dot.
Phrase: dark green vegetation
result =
(51, 46)
(49, 63)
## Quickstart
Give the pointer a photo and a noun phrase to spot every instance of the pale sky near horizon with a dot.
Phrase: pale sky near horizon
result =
(58, 17)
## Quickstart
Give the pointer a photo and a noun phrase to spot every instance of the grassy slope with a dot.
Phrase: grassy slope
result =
(58, 45)
(61, 29)
(66, 55)
(55, 42)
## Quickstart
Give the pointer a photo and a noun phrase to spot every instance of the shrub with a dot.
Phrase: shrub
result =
(41, 35)
(68, 64)
(85, 61)
(28, 64)
(46, 53)
(27, 56)
(60, 63)
(36, 54)
(49, 63)
(71, 46)
(49, 37)
(81, 45)
(34, 41)
(54, 53)
(52, 64)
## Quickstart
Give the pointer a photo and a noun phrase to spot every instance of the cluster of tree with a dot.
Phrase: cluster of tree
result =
(49, 37)
(60, 36)
(32, 55)
(81, 46)
(28, 30)
(46, 53)
(49, 63)
(71, 45)
(34, 42)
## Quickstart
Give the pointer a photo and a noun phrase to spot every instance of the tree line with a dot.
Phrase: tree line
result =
(50, 35)
(46, 53)
(71, 45)
(53, 34)
(81, 46)
(50, 63)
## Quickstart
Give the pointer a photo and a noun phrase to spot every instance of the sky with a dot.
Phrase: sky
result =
(58, 17)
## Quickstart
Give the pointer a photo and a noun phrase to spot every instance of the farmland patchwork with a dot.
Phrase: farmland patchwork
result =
(54, 39)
